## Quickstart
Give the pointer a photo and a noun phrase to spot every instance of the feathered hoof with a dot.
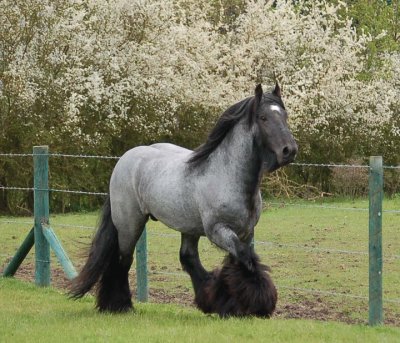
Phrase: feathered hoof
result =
(236, 291)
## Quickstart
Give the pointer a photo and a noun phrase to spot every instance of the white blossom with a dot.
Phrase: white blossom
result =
(140, 62)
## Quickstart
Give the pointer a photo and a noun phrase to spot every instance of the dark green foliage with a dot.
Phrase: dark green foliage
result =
(22, 125)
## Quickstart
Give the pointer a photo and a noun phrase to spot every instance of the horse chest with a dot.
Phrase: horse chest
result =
(232, 210)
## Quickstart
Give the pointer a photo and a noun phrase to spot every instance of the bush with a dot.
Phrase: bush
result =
(350, 181)
(102, 76)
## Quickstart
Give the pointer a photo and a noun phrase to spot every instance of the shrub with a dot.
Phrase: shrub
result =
(101, 76)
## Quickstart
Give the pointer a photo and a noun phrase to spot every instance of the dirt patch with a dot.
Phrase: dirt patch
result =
(163, 297)
(313, 310)
(304, 306)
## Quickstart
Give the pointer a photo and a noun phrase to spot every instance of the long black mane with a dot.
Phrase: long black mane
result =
(224, 124)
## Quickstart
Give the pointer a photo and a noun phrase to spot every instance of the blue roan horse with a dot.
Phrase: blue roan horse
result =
(213, 191)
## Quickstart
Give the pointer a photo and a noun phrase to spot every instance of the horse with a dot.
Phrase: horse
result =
(213, 191)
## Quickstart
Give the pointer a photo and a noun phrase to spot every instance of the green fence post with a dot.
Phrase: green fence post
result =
(20, 255)
(41, 213)
(375, 240)
(62, 256)
(142, 288)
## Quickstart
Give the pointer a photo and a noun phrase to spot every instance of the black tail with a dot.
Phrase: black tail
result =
(104, 269)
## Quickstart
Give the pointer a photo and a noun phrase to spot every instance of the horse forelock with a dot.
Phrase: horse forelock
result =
(271, 98)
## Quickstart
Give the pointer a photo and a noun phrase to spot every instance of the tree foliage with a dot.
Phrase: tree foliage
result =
(101, 76)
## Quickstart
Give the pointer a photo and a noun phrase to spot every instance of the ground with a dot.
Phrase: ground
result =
(314, 307)
(318, 254)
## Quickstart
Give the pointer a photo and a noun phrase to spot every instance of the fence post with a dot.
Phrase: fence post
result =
(142, 288)
(375, 240)
(58, 250)
(20, 255)
(41, 213)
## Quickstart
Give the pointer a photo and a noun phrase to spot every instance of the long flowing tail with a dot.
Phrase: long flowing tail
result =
(104, 269)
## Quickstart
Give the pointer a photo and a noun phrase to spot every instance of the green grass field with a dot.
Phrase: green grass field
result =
(31, 314)
(318, 253)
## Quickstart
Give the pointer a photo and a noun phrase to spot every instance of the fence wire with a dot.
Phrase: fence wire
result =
(53, 190)
(298, 289)
(266, 243)
(329, 165)
(299, 164)
(325, 207)
(277, 204)
(61, 155)
(334, 165)
(257, 242)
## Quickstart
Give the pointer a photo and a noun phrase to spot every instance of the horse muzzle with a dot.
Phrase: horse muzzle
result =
(287, 154)
(277, 158)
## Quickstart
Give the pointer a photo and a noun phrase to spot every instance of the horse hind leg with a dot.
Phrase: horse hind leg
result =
(113, 292)
(105, 269)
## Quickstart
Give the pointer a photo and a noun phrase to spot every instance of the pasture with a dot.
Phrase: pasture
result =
(317, 252)
(33, 314)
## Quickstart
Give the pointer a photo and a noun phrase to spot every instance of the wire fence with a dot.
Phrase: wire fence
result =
(333, 165)
(299, 164)
(260, 243)
(257, 242)
(106, 157)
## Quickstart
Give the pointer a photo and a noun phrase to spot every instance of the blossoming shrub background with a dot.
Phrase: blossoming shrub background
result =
(100, 77)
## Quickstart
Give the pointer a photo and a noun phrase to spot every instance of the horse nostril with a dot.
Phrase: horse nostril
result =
(286, 151)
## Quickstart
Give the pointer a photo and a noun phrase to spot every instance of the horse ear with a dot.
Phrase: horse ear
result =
(258, 93)
(277, 90)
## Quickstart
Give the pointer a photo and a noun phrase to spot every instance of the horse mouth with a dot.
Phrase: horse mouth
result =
(287, 161)
(274, 168)
(271, 163)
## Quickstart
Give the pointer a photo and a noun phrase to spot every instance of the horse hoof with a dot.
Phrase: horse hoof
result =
(236, 291)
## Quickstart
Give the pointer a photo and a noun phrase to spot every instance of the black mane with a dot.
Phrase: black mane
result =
(224, 124)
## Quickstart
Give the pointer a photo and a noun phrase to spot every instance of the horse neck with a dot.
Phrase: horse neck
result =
(238, 159)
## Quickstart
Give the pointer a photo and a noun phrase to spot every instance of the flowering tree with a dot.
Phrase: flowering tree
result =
(103, 75)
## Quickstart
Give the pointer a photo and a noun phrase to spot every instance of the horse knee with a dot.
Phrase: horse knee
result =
(188, 253)
(224, 237)
(188, 259)
(126, 261)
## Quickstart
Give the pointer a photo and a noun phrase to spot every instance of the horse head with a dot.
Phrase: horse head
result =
(273, 138)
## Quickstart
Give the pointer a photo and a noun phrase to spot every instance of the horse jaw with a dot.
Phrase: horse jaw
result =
(270, 162)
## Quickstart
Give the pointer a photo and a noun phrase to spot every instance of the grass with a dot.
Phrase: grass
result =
(318, 253)
(34, 314)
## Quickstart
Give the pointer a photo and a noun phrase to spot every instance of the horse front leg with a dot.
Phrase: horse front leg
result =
(190, 260)
(225, 238)
(242, 287)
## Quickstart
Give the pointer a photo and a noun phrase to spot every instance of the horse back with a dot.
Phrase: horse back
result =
(156, 177)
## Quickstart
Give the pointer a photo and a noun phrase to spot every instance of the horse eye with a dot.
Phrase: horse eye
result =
(263, 118)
